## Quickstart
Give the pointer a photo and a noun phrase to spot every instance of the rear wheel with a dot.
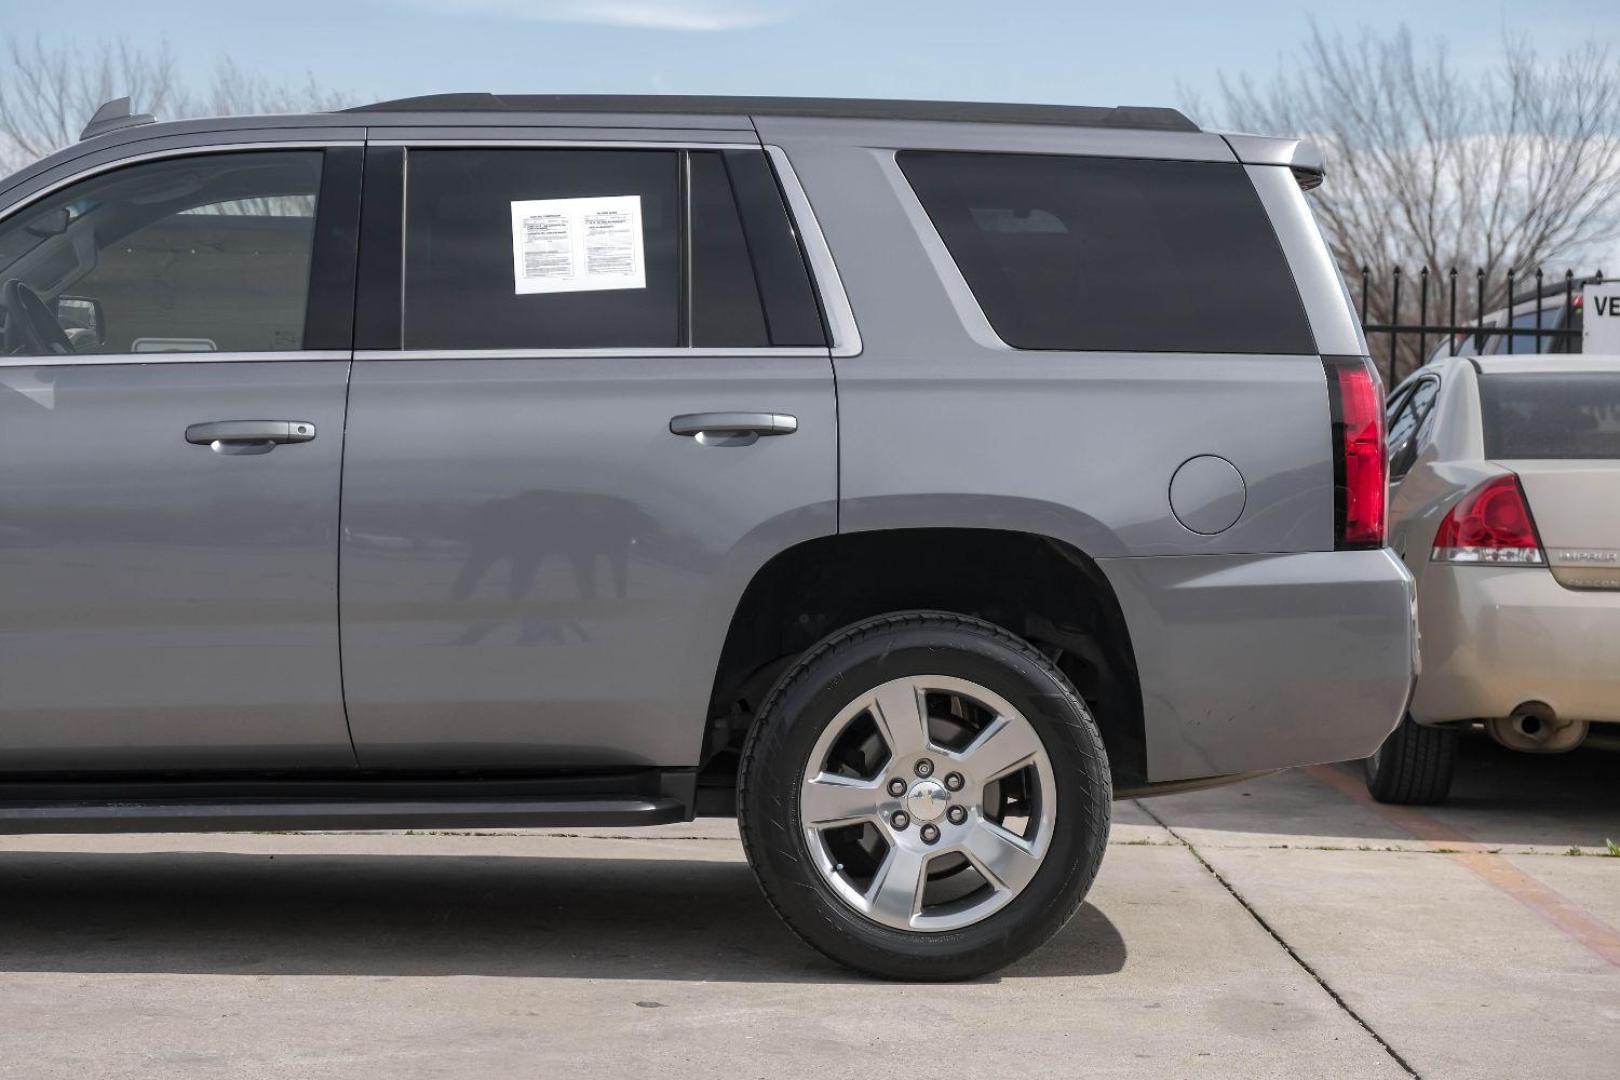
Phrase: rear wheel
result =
(924, 796)
(1415, 764)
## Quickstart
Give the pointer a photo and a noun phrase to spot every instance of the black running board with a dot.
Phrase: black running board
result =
(254, 816)
(651, 797)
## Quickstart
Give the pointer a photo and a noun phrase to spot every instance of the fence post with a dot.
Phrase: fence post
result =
(1569, 306)
(1507, 320)
(1423, 316)
(1394, 321)
(1538, 310)
(1452, 333)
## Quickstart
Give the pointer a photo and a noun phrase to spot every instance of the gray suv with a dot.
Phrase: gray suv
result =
(911, 479)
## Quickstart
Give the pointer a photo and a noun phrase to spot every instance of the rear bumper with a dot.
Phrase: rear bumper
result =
(1495, 637)
(1258, 662)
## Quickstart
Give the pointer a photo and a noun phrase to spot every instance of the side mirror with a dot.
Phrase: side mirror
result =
(1402, 456)
(50, 223)
(84, 319)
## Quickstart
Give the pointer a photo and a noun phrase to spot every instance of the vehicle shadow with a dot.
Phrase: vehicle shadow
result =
(412, 915)
(1498, 797)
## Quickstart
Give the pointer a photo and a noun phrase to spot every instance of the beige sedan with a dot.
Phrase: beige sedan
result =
(1505, 505)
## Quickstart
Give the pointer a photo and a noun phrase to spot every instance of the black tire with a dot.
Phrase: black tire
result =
(1414, 766)
(810, 695)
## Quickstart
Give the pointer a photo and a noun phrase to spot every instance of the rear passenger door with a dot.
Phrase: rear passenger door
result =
(592, 395)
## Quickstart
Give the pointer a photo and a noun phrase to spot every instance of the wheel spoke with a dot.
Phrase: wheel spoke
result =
(1004, 859)
(827, 800)
(1008, 743)
(901, 716)
(832, 800)
(897, 890)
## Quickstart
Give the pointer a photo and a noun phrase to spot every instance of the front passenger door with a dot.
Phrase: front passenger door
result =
(171, 433)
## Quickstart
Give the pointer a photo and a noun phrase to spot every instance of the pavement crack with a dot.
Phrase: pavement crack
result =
(1293, 953)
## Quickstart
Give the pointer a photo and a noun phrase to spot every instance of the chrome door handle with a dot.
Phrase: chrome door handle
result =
(732, 428)
(249, 436)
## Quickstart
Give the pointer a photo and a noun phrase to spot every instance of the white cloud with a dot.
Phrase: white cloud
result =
(692, 15)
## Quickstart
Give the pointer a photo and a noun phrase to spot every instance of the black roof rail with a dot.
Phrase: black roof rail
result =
(113, 116)
(1140, 117)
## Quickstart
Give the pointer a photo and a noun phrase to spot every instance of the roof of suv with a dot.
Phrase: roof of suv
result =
(115, 125)
(1138, 117)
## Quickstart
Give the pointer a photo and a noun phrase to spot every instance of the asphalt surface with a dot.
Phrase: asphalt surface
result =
(1284, 927)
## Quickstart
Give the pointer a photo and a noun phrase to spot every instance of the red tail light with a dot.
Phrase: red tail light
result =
(1360, 466)
(1492, 524)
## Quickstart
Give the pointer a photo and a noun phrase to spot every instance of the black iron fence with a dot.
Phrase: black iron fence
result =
(1409, 322)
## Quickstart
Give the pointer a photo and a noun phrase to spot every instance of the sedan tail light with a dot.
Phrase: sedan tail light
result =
(1492, 524)
(1360, 467)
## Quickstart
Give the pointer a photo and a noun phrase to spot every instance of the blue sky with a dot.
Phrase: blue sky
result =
(1080, 51)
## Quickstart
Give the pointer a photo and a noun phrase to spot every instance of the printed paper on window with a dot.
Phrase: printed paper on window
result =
(578, 245)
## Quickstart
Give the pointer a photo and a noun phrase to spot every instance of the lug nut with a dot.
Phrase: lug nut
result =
(954, 781)
(956, 815)
(897, 787)
(929, 834)
(925, 767)
(899, 819)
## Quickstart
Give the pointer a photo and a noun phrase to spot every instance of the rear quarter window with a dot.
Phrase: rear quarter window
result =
(1551, 415)
(1112, 254)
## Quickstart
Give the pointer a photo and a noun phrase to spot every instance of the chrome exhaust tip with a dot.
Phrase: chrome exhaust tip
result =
(1534, 728)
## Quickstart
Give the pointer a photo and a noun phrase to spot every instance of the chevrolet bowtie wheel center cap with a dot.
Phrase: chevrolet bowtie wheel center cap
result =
(927, 800)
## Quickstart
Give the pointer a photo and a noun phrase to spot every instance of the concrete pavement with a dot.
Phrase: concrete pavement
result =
(1276, 928)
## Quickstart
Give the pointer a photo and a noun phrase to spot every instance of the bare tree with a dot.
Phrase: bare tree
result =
(236, 92)
(48, 93)
(1513, 167)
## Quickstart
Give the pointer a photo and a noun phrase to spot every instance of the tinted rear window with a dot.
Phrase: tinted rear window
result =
(719, 264)
(1551, 415)
(459, 291)
(1108, 254)
(726, 311)
(1551, 319)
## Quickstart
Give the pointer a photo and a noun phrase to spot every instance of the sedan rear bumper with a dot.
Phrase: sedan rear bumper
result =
(1495, 637)
(1257, 662)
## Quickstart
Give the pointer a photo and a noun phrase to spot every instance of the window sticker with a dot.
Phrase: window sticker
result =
(578, 245)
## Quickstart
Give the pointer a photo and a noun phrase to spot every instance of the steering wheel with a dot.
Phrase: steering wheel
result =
(31, 329)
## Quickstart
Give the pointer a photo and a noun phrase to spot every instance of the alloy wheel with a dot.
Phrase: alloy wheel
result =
(928, 803)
